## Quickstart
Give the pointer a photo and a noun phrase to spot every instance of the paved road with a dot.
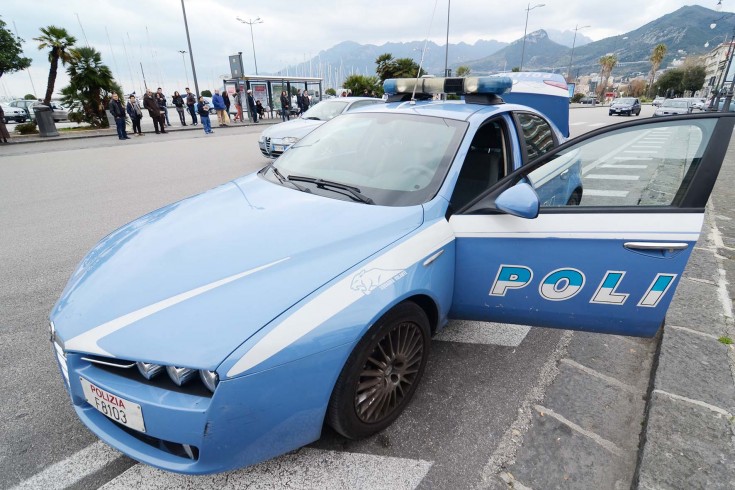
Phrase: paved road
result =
(57, 199)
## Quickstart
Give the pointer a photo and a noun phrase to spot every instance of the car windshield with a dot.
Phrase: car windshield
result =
(626, 100)
(392, 159)
(676, 103)
(325, 111)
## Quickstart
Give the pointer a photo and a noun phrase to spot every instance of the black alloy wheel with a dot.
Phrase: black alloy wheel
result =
(382, 373)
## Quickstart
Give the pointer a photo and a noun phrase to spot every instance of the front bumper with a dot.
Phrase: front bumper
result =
(272, 148)
(247, 420)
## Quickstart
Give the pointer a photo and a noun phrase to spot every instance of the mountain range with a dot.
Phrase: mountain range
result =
(684, 32)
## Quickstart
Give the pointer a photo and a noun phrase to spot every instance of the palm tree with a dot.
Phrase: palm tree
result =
(90, 85)
(60, 43)
(463, 71)
(607, 63)
(657, 56)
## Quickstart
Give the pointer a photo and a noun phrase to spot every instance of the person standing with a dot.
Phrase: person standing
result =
(161, 99)
(251, 106)
(133, 109)
(3, 130)
(178, 101)
(203, 110)
(238, 105)
(117, 111)
(219, 106)
(150, 103)
(300, 102)
(306, 101)
(226, 98)
(191, 106)
(285, 107)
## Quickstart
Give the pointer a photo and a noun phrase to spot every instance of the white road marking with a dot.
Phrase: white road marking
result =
(641, 151)
(630, 158)
(485, 333)
(612, 177)
(597, 125)
(620, 165)
(603, 193)
(578, 123)
(73, 469)
(306, 468)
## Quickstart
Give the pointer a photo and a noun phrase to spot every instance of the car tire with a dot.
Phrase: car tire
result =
(381, 375)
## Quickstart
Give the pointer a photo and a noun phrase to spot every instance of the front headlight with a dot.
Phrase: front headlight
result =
(291, 140)
(209, 378)
(148, 370)
(180, 375)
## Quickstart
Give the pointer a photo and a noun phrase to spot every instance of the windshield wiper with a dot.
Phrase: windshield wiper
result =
(324, 184)
(313, 118)
(283, 179)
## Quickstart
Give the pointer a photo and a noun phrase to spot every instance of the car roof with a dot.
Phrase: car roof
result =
(452, 109)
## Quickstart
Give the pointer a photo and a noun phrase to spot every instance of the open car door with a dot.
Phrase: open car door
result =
(595, 234)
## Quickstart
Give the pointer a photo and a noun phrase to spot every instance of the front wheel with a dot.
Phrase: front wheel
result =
(382, 373)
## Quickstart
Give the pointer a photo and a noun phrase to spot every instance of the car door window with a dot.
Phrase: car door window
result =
(537, 134)
(484, 164)
(650, 165)
(361, 103)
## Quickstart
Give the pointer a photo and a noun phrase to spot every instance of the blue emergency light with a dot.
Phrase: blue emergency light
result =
(492, 85)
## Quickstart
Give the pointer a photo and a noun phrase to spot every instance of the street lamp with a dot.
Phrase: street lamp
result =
(183, 60)
(571, 57)
(525, 29)
(446, 49)
(250, 22)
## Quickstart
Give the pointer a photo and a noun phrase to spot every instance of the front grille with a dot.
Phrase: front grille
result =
(175, 448)
(128, 370)
(268, 145)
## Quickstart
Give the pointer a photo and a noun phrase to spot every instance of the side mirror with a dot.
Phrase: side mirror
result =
(520, 200)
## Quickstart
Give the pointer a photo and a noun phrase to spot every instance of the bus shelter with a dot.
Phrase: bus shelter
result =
(267, 89)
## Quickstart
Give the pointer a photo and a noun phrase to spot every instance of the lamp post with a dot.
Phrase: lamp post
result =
(571, 56)
(250, 22)
(191, 53)
(183, 60)
(446, 50)
(525, 29)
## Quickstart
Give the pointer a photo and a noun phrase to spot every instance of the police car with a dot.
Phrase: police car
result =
(228, 328)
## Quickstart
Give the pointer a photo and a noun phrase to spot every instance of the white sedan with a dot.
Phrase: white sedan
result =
(673, 107)
(277, 139)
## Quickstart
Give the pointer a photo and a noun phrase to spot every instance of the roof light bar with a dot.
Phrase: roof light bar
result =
(491, 85)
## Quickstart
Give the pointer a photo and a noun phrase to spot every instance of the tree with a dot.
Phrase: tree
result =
(607, 63)
(330, 91)
(91, 86)
(359, 83)
(29, 97)
(637, 87)
(10, 52)
(657, 56)
(669, 83)
(206, 93)
(693, 78)
(463, 71)
(60, 43)
(389, 67)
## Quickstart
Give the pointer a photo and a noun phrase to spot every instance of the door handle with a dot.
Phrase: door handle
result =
(671, 246)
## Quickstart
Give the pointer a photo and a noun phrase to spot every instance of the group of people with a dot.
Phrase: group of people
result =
(303, 101)
(156, 105)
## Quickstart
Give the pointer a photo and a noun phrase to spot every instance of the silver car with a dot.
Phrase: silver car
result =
(14, 114)
(277, 139)
(672, 107)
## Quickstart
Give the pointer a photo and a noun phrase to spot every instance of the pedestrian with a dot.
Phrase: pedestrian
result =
(3, 130)
(133, 109)
(178, 101)
(117, 111)
(203, 110)
(219, 106)
(285, 107)
(226, 98)
(344, 93)
(300, 102)
(191, 102)
(306, 101)
(150, 103)
(251, 106)
(259, 109)
(365, 93)
(161, 99)
(238, 105)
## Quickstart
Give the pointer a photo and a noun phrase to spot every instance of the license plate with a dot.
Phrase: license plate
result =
(118, 409)
(278, 148)
(617, 110)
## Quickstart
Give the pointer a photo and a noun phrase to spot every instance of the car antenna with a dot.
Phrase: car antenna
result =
(423, 52)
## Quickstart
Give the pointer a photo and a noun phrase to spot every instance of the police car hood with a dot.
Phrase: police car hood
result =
(296, 128)
(187, 284)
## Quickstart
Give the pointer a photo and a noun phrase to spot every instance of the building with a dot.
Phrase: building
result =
(715, 63)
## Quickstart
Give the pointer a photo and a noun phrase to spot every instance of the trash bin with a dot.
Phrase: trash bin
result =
(45, 120)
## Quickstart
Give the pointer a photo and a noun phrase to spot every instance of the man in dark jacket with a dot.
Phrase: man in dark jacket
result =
(118, 112)
(251, 106)
(305, 101)
(191, 102)
(150, 103)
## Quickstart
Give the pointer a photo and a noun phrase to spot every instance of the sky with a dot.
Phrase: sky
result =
(151, 32)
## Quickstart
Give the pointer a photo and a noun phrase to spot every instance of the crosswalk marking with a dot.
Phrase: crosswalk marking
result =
(613, 177)
(604, 193)
(620, 165)
(597, 125)
(640, 151)
(306, 468)
(486, 333)
(631, 158)
(577, 123)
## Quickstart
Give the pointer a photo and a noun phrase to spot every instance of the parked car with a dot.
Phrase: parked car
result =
(277, 139)
(232, 326)
(14, 114)
(698, 103)
(625, 106)
(588, 99)
(59, 112)
(672, 107)
(658, 101)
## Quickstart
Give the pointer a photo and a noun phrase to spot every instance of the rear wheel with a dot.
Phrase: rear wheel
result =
(382, 373)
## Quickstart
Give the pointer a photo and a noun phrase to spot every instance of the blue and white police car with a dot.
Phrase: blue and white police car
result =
(229, 327)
